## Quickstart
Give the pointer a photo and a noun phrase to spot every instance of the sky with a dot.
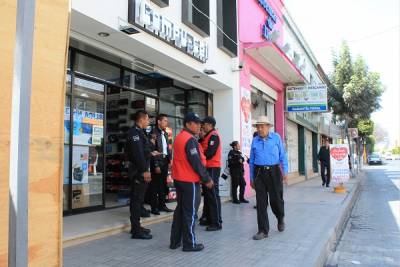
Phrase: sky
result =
(372, 30)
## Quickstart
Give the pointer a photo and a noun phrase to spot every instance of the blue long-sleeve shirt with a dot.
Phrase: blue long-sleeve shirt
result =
(267, 151)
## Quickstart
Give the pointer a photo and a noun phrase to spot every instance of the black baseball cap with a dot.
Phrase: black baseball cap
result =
(191, 117)
(210, 120)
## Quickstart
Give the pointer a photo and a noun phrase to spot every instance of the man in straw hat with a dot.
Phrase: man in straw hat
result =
(267, 155)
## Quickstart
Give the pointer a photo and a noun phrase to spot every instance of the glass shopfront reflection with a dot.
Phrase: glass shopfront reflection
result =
(103, 97)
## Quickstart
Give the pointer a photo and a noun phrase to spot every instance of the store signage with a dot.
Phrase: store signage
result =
(145, 16)
(339, 163)
(269, 24)
(307, 98)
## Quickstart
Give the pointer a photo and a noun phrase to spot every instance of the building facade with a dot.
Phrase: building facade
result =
(161, 56)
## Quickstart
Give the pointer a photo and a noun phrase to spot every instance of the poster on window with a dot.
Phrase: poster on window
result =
(80, 164)
(82, 126)
(97, 135)
(340, 171)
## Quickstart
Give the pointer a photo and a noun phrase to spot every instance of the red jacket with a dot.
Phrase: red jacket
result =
(212, 149)
(182, 170)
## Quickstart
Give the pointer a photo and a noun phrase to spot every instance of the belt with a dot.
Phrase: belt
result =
(266, 167)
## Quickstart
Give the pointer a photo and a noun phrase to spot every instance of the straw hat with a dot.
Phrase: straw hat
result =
(263, 120)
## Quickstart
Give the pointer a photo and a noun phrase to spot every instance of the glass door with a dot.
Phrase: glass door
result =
(84, 150)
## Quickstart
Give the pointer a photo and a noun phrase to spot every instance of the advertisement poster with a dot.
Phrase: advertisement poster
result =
(97, 135)
(80, 164)
(307, 98)
(245, 118)
(83, 125)
(246, 131)
(340, 171)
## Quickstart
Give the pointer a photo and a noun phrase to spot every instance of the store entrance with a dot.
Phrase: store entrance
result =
(83, 144)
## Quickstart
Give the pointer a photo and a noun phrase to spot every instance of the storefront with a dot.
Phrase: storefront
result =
(266, 68)
(104, 95)
(138, 55)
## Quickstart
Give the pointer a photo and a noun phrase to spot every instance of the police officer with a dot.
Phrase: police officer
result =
(236, 170)
(160, 166)
(211, 145)
(266, 155)
(139, 153)
(188, 170)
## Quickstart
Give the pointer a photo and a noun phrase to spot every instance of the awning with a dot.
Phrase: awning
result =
(271, 57)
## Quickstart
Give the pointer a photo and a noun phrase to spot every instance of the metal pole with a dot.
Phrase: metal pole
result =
(19, 147)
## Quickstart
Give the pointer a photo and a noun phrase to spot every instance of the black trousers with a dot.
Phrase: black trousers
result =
(325, 173)
(185, 214)
(212, 200)
(237, 180)
(268, 182)
(158, 187)
(138, 190)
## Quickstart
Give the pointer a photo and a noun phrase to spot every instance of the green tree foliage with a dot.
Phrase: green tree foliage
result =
(396, 150)
(354, 92)
(365, 127)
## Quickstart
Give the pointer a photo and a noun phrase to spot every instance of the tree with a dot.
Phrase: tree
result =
(365, 127)
(354, 92)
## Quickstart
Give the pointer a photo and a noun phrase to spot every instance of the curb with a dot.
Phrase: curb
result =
(327, 253)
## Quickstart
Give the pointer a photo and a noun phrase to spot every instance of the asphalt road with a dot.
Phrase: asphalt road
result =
(372, 234)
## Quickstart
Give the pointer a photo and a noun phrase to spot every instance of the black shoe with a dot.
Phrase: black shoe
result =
(260, 235)
(196, 247)
(213, 228)
(323, 184)
(204, 222)
(235, 201)
(145, 230)
(141, 235)
(175, 246)
(165, 208)
(144, 213)
(281, 225)
(327, 185)
(155, 211)
(255, 206)
(244, 200)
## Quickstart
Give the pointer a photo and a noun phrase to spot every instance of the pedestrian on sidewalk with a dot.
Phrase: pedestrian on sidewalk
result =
(138, 152)
(266, 155)
(188, 170)
(160, 166)
(236, 170)
(211, 144)
(325, 161)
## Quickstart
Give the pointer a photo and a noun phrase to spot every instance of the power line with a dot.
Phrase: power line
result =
(374, 34)
(221, 30)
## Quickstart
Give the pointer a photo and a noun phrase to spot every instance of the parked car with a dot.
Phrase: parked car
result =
(374, 159)
(396, 157)
(389, 157)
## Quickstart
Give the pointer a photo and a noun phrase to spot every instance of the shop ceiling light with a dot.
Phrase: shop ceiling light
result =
(209, 71)
(103, 34)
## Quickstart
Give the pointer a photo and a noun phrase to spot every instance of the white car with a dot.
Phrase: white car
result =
(389, 157)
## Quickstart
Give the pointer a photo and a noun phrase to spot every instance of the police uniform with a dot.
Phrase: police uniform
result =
(212, 202)
(138, 151)
(236, 170)
(188, 170)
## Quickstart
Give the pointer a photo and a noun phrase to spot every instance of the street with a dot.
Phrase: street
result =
(372, 234)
